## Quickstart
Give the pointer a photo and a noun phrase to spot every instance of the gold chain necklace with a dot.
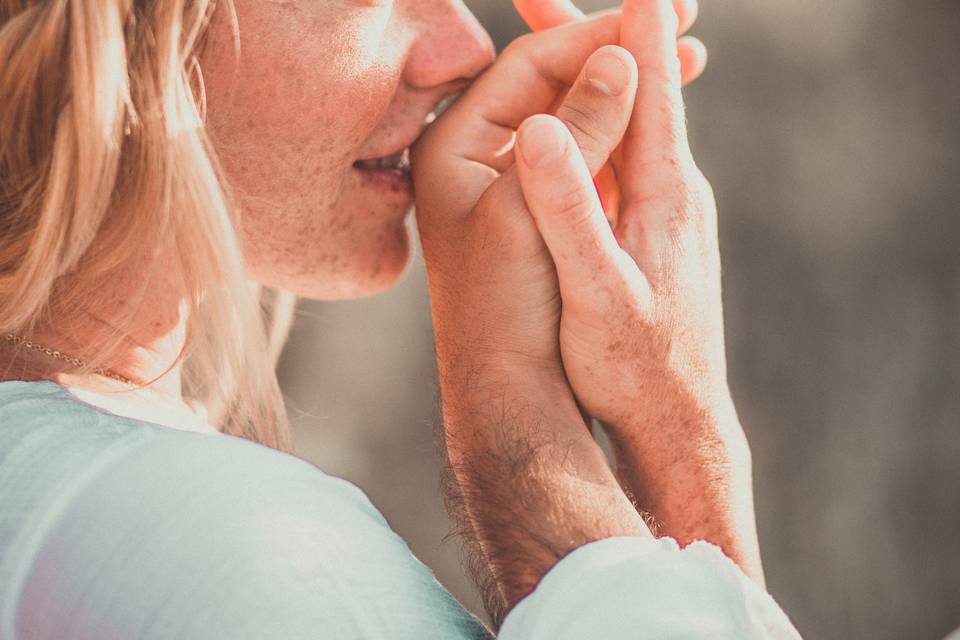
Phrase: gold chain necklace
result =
(77, 362)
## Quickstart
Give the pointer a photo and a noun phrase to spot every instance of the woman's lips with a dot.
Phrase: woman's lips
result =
(391, 173)
(399, 161)
(393, 180)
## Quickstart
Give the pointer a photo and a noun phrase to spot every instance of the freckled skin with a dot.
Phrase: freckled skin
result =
(317, 86)
(637, 309)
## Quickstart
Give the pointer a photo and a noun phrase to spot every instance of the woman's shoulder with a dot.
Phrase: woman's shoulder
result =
(46, 433)
(79, 469)
(149, 523)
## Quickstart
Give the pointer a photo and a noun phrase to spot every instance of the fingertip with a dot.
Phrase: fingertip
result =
(545, 14)
(611, 70)
(622, 54)
(693, 58)
(687, 12)
(649, 31)
(541, 139)
(540, 123)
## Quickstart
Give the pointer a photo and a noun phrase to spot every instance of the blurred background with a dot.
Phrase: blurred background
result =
(829, 131)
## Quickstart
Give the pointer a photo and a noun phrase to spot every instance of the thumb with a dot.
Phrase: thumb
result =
(560, 195)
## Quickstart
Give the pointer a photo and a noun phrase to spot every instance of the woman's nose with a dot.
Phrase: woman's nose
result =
(451, 46)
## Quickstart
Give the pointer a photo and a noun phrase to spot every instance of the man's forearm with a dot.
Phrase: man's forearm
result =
(694, 477)
(534, 485)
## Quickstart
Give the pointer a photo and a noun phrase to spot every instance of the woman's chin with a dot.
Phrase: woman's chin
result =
(384, 275)
(352, 276)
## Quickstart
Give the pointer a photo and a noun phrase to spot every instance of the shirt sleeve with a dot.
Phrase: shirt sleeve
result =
(117, 530)
(622, 588)
(177, 535)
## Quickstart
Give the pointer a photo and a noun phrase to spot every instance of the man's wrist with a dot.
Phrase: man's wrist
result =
(678, 434)
(664, 408)
(532, 483)
(695, 477)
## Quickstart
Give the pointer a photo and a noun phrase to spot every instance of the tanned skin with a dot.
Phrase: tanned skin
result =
(545, 315)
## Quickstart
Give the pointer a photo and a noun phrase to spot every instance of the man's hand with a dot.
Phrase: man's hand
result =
(493, 285)
(641, 332)
(547, 14)
(533, 483)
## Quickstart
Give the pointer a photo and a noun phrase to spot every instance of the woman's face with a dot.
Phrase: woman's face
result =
(320, 86)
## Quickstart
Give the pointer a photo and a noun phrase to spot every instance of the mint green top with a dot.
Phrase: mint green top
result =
(111, 528)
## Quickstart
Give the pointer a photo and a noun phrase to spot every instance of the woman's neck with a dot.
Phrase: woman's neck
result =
(142, 310)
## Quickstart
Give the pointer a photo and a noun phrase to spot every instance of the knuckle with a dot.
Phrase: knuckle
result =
(519, 46)
(573, 204)
(688, 188)
(672, 180)
(679, 196)
(660, 75)
(586, 125)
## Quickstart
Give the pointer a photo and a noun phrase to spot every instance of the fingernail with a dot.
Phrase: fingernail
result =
(541, 142)
(607, 73)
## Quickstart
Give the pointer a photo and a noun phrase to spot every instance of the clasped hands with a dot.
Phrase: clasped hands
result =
(574, 272)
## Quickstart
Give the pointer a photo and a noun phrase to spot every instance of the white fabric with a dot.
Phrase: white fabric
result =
(112, 528)
(623, 588)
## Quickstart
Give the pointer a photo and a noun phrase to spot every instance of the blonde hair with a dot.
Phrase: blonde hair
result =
(103, 154)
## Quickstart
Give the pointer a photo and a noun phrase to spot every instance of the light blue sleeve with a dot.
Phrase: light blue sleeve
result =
(623, 588)
(169, 536)
(113, 529)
